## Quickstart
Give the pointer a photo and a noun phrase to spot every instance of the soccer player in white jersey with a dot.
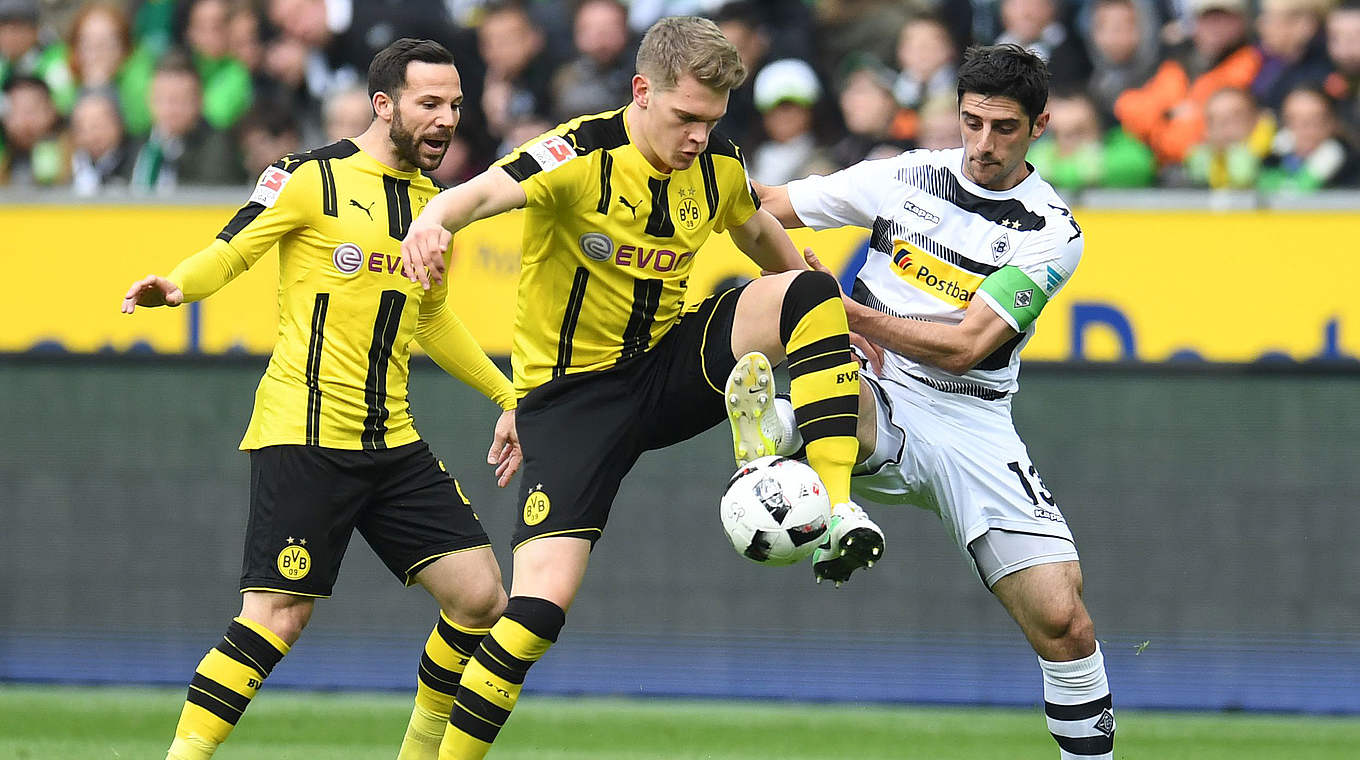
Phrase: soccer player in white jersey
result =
(968, 246)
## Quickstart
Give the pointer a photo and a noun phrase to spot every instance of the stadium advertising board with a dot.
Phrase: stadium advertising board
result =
(1152, 286)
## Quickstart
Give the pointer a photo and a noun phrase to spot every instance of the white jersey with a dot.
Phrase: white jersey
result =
(939, 240)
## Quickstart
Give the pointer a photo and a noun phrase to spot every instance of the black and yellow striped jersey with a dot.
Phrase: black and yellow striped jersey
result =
(609, 241)
(347, 315)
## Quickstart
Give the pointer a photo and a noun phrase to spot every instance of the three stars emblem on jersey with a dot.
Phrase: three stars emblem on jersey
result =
(294, 562)
(536, 506)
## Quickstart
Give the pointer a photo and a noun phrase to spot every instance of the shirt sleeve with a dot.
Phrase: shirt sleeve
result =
(276, 206)
(543, 167)
(847, 197)
(742, 201)
(448, 341)
(1020, 290)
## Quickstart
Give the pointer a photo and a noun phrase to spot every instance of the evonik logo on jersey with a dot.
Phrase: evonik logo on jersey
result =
(938, 278)
(349, 258)
(655, 259)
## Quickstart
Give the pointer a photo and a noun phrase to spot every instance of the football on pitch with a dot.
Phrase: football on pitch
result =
(775, 511)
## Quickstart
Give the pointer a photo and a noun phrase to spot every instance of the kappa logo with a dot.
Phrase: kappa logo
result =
(1024, 298)
(1000, 246)
(917, 210)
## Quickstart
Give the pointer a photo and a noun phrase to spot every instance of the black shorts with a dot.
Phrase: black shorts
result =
(305, 501)
(582, 433)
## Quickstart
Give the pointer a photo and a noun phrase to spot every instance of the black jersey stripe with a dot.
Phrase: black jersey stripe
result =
(329, 205)
(941, 183)
(886, 232)
(659, 222)
(575, 301)
(243, 218)
(600, 132)
(606, 173)
(379, 353)
(398, 195)
(710, 182)
(1001, 357)
(313, 375)
(637, 336)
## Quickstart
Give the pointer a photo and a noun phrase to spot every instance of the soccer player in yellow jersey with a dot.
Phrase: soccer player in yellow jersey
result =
(607, 361)
(331, 441)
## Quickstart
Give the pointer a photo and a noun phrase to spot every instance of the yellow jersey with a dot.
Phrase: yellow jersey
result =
(609, 241)
(338, 374)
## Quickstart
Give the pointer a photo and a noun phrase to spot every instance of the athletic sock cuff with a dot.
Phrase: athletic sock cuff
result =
(1088, 664)
(806, 291)
(540, 617)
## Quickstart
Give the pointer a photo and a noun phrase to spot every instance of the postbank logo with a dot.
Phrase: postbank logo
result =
(932, 275)
(536, 506)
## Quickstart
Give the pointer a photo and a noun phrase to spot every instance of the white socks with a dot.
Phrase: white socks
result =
(1080, 712)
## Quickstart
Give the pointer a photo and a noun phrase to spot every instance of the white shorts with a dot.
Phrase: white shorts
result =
(960, 457)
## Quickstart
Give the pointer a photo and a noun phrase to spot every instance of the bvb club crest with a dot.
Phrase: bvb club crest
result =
(295, 561)
(536, 506)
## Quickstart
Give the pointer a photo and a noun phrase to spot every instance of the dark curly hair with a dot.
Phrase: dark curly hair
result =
(1006, 70)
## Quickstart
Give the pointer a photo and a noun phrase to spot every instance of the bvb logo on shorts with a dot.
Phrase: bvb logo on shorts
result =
(294, 561)
(536, 506)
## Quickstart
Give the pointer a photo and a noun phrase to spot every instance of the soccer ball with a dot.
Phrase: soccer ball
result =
(775, 511)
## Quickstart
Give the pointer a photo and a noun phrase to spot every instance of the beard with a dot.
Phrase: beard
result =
(407, 145)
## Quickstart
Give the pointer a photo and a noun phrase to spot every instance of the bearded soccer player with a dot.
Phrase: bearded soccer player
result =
(608, 364)
(331, 440)
(968, 247)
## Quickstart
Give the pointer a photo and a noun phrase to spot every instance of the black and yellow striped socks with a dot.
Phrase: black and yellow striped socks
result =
(446, 654)
(224, 682)
(823, 377)
(492, 681)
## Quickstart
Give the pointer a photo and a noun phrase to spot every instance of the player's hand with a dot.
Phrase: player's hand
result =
(505, 453)
(152, 290)
(422, 252)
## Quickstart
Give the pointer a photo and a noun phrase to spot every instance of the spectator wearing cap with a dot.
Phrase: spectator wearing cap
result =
(101, 152)
(1293, 49)
(603, 67)
(183, 149)
(786, 92)
(1124, 47)
(1343, 48)
(869, 111)
(1167, 113)
(1308, 153)
(1237, 137)
(1076, 153)
(1036, 25)
(34, 150)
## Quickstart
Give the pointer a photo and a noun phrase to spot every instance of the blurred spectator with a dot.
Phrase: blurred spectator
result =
(847, 28)
(101, 152)
(267, 133)
(643, 13)
(1124, 49)
(786, 92)
(227, 90)
(153, 25)
(598, 78)
(1076, 152)
(1308, 153)
(521, 131)
(940, 128)
(740, 23)
(20, 53)
(927, 59)
(34, 151)
(1167, 113)
(1036, 26)
(1293, 50)
(869, 110)
(183, 149)
(347, 113)
(458, 165)
(99, 54)
(245, 38)
(1343, 47)
(1237, 137)
(517, 74)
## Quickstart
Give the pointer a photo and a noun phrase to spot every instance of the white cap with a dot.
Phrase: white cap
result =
(789, 79)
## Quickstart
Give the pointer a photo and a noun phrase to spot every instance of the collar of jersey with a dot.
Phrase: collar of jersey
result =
(637, 152)
(384, 168)
(977, 189)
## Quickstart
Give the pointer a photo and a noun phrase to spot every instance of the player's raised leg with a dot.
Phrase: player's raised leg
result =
(1045, 601)
(548, 573)
(231, 673)
(799, 315)
(468, 587)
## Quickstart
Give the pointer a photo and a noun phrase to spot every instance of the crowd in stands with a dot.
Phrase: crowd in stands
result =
(151, 95)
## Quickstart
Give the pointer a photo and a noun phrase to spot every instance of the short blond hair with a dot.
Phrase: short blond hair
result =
(689, 45)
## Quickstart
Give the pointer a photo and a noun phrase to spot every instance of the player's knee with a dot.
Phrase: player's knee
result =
(540, 616)
(1066, 621)
(283, 620)
(805, 292)
(478, 607)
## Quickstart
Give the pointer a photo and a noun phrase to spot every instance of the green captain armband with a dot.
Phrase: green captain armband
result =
(1018, 297)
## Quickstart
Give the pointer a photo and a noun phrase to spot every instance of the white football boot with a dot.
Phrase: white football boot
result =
(853, 541)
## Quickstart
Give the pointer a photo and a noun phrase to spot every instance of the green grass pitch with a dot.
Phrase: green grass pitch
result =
(74, 723)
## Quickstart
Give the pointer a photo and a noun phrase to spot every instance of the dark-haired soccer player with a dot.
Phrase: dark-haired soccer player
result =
(968, 246)
(606, 364)
(331, 441)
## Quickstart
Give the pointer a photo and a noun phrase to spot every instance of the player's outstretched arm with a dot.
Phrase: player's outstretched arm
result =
(775, 199)
(489, 193)
(953, 348)
(764, 241)
(152, 290)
